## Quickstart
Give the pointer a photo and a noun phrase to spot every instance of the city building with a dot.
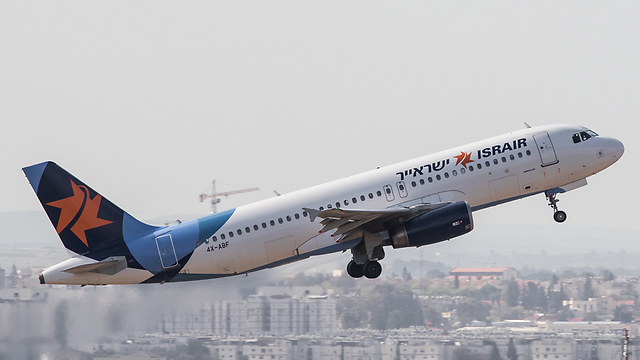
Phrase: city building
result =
(582, 307)
(502, 273)
(551, 349)
(601, 305)
(419, 350)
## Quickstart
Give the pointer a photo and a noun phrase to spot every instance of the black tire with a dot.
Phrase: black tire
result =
(372, 269)
(560, 216)
(355, 270)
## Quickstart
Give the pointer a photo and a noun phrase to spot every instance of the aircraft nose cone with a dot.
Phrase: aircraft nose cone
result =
(616, 148)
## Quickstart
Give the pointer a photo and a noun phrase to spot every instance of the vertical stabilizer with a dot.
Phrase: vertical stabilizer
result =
(87, 223)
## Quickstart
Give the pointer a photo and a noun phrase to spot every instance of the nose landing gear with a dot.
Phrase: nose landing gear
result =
(558, 215)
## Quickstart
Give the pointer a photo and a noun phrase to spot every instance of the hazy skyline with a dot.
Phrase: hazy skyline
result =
(148, 102)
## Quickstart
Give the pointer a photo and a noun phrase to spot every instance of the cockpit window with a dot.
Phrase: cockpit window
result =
(583, 136)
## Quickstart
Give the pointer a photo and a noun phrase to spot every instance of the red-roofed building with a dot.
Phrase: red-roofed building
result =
(623, 303)
(484, 273)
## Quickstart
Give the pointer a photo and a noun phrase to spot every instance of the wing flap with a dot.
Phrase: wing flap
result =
(350, 223)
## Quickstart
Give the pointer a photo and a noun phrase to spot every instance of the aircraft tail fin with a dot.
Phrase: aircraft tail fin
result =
(87, 223)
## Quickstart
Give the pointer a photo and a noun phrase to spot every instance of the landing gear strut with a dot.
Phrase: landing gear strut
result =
(558, 215)
(370, 269)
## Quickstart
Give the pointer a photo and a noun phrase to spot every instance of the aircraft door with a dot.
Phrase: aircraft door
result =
(167, 251)
(545, 149)
(388, 192)
(402, 189)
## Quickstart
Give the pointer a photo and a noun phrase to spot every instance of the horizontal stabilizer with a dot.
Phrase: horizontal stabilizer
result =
(109, 266)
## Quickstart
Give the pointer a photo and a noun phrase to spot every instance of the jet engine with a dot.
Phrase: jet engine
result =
(434, 226)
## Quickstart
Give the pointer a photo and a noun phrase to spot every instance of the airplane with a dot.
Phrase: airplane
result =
(414, 203)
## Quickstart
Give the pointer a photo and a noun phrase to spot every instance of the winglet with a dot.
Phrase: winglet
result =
(313, 213)
(527, 125)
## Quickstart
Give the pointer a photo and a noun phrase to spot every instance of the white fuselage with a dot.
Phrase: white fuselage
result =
(277, 231)
(519, 172)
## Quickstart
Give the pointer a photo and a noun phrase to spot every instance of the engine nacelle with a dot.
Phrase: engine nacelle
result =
(434, 226)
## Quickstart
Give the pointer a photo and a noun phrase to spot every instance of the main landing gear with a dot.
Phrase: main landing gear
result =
(558, 215)
(365, 257)
(370, 269)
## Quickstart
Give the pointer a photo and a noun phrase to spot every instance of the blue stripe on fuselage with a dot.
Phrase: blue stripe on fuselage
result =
(208, 225)
(140, 238)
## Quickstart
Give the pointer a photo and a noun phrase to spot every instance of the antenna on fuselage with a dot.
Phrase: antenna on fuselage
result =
(527, 125)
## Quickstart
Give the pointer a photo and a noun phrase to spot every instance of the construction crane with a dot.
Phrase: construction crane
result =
(215, 197)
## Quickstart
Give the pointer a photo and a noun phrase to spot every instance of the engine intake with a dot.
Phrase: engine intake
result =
(434, 226)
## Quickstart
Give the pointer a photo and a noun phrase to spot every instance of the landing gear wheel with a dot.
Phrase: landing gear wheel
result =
(355, 270)
(560, 216)
(372, 269)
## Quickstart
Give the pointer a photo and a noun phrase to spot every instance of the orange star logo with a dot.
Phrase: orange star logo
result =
(464, 158)
(71, 206)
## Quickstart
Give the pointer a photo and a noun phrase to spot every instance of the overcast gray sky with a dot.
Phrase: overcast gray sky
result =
(148, 101)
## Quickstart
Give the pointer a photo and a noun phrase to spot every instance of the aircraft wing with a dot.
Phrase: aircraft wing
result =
(350, 223)
(108, 266)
